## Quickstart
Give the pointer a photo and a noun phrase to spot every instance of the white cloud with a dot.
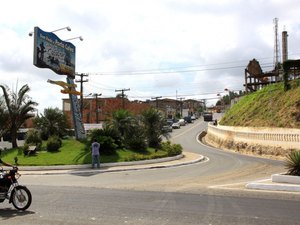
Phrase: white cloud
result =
(132, 35)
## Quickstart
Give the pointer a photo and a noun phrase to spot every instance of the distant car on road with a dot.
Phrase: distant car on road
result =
(208, 116)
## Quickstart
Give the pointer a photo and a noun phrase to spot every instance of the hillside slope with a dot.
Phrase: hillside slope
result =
(268, 107)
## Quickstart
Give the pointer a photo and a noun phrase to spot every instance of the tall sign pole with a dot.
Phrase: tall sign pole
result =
(77, 117)
(59, 56)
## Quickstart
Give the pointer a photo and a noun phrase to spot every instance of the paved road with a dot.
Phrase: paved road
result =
(210, 192)
(74, 206)
(222, 170)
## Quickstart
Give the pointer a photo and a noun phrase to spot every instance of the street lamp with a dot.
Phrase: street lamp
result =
(64, 28)
(79, 37)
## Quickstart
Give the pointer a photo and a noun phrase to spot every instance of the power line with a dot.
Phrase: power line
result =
(158, 72)
(184, 69)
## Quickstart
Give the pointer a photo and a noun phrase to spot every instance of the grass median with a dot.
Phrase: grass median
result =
(74, 152)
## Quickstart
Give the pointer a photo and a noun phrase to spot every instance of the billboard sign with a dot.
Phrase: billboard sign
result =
(53, 53)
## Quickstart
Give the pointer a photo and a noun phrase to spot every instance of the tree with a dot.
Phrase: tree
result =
(53, 122)
(154, 123)
(4, 124)
(129, 128)
(120, 121)
(18, 105)
(134, 137)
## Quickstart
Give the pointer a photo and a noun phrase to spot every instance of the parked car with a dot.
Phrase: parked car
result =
(188, 119)
(182, 122)
(176, 125)
(167, 128)
(193, 118)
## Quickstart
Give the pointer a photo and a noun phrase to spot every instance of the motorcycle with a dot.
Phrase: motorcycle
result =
(18, 195)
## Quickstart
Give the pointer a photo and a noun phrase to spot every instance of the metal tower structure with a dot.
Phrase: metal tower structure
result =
(276, 59)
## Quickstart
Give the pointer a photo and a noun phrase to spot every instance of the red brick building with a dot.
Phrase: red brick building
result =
(101, 109)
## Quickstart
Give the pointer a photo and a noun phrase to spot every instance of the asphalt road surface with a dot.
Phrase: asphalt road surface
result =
(210, 192)
(74, 205)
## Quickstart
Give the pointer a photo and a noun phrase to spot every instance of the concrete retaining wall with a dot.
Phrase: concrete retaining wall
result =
(268, 137)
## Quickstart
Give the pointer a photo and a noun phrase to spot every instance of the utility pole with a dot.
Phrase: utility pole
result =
(81, 81)
(123, 95)
(97, 108)
(181, 104)
(156, 99)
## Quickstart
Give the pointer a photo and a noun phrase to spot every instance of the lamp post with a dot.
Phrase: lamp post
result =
(64, 28)
(156, 99)
(79, 37)
(221, 102)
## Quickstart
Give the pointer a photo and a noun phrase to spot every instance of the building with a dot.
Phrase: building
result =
(95, 111)
(98, 110)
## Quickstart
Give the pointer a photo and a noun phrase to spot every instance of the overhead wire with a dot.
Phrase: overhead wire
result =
(173, 70)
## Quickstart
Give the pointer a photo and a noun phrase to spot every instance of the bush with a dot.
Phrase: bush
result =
(33, 137)
(53, 144)
(171, 149)
(292, 163)
(137, 144)
(108, 144)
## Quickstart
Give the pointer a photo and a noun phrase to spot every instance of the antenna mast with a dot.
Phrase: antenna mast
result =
(276, 44)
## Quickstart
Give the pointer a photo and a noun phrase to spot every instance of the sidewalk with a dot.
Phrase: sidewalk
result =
(184, 159)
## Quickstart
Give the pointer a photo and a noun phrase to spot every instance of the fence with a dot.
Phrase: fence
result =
(271, 137)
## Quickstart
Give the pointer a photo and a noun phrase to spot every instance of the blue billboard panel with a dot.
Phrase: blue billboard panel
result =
(53, 53)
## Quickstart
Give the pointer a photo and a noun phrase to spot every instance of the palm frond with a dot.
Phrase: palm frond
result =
(292, 163)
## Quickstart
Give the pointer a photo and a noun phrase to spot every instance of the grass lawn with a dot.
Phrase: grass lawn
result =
(74, 152)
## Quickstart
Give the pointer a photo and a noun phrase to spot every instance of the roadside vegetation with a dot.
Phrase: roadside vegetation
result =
(125, 137)
(73, 152)
(292, 163)
(271, 106)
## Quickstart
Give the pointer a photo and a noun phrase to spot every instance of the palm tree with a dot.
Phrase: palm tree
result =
(121, 121)
(3, 118)
(53, 122)
(18, 105)
(154, 123)
(292, 163)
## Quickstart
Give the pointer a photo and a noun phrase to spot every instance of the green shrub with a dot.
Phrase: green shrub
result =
(137, 144)
(171, 149)
(33, 137)
(292, 163)
(25, 148)
(53, 143)
(135, 157)
(107, 145)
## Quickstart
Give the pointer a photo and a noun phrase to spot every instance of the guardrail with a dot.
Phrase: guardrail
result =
(271, 137)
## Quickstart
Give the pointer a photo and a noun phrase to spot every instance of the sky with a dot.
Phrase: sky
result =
(188, 49)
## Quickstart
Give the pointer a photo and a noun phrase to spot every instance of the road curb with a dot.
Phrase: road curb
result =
(274, 187)
(88, 166)
(113, 167)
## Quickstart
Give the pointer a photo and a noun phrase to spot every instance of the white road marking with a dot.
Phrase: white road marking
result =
(239, 183)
